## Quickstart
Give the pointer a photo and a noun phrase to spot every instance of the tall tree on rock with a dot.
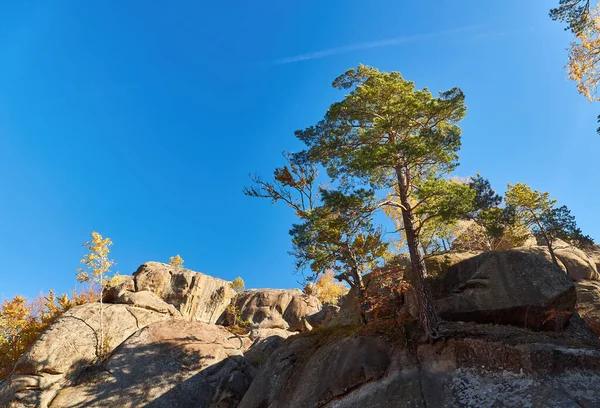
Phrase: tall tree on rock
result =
(391, 136)
(335, 232)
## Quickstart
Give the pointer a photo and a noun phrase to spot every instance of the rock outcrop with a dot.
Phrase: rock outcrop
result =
(323, 317)
(577, 263)
(167, 364)
(70, 344)
(517, 287)
(505, 287)
(579, 266)
(276, 308)
(593, 252)
(476, 368)
(588, 303)
(194, 295)
(158, 354)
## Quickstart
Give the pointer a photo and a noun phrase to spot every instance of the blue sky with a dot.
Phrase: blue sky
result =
(142, 120)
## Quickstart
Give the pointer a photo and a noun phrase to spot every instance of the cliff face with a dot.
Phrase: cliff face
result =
(477, 366)
(163, 349)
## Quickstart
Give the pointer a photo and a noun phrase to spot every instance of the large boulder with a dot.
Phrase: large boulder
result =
(588, 303)
(593, 252)
(323, 317)
(506, 287)
(382, 288)
(579, 265)
(168, 364)
(346, 369)
(70, 344)
(196, 296)
(276, 308)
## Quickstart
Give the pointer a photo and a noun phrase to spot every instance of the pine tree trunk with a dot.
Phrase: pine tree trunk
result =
(428, 316)
(547, 238)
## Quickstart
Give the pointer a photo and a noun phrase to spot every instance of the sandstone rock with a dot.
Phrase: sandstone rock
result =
(361, 371)
(70, 344)
(168, 364)
(588, 303)
(276, 308)
(505, 287)
(194, 295)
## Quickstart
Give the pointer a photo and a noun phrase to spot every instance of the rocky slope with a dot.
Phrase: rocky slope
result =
(163, 348)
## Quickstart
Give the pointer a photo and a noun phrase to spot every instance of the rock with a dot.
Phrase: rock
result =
(588, 303)
(324, 316)
(593, 252)
(382, 284)
(572, 260)
(543, 252)
(276, 308)
(530, 241)
(579, 265)
(344, 370)
(146, 300)
(505, 287)
(118, 285)
(293, 378)
(194, 295)
(69, 345)
(439, 264)
(167, 364)
(259, 333)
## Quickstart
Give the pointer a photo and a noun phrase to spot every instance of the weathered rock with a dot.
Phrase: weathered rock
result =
(572, 260)
(260, 333)
(276, 308)
(146, 300)
(70, 344)
(167, 364)
(579, 265)
(505, 287)
(588, 303)
(194, 295)
(323, 317)
(435, 264)
(543, 252)
(593, 252)
(349, 370)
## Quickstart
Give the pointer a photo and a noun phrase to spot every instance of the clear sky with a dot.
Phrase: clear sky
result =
(142, 120)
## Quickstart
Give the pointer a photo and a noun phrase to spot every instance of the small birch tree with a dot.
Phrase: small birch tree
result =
(96, 270)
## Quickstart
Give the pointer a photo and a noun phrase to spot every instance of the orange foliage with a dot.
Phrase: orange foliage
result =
(22, 322)
(326, 289)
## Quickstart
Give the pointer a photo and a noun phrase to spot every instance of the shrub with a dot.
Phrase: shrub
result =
(238, 285)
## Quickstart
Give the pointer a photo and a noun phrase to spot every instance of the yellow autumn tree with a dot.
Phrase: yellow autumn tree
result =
(22, 322)
(327, 289)
(238, 285)
(584, 57)
(176, 261)
(96, 271)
